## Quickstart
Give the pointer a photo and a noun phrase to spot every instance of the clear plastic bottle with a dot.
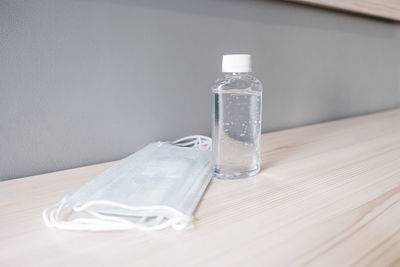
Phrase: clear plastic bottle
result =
(236, 132)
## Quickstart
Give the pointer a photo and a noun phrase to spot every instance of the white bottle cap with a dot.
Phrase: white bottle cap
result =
(236, 63)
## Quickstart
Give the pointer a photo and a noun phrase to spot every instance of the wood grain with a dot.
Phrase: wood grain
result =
(388, 9)
(328, 195)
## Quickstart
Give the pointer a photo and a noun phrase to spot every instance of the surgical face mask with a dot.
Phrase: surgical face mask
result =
(154, 188)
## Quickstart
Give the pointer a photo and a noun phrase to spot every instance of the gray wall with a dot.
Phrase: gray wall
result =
(84, 82)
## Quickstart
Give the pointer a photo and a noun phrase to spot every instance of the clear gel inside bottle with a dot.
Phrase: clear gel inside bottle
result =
(237, 102)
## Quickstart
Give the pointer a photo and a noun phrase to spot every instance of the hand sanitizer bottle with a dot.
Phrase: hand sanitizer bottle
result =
(236, 131)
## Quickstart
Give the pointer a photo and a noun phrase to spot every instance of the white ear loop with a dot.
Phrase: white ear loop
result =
(101, 222)
(197, 141)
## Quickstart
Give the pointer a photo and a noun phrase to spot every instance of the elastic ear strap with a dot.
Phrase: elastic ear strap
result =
(51, 217)
(198, 141)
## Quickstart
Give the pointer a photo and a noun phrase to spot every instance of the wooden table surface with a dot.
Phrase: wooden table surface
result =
(328, 195)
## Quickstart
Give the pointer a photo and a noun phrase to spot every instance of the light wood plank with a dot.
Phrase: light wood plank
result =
(388, 9)
(328, 195)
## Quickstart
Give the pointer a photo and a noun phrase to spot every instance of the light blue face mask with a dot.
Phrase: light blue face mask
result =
(154, 188)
